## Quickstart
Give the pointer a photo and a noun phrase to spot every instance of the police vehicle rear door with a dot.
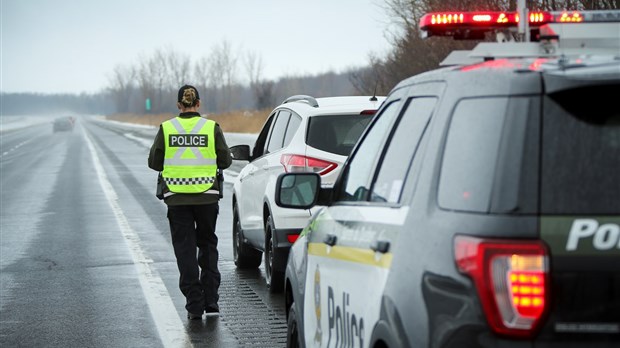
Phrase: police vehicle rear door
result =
(580, 200)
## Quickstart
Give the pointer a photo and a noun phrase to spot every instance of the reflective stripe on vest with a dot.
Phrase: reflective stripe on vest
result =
(189, 181)
(199, 159)
(190, 164)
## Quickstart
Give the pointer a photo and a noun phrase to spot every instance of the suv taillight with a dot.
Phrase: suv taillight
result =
(512, 280)
(299, 163)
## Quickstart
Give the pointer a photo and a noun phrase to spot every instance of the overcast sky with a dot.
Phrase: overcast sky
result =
(72, 46)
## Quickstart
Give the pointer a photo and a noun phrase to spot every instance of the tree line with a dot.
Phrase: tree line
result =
(226, 79)
(130, 99)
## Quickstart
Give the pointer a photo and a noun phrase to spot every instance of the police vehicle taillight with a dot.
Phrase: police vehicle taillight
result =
(511, 279)
(299, 163)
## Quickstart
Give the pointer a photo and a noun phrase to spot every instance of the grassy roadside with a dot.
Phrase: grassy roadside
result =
(243, 121)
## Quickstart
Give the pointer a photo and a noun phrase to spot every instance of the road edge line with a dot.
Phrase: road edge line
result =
(169, 325)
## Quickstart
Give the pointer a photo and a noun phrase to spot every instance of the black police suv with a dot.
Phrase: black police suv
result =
(481, 208)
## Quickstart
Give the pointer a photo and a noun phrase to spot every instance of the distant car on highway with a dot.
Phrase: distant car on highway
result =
(302, 134)
(63, 124)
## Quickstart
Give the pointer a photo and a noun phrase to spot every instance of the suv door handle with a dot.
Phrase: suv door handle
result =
(380, 246)
(330, 239)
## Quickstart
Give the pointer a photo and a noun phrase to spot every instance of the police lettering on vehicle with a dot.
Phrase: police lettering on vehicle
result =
(604, 237)
(187, 140)
(345, 328)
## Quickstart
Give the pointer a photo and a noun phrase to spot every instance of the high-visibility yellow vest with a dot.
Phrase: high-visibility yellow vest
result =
(190, 159)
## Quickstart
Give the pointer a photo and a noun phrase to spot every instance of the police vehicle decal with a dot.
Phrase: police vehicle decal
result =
(337, 311)
(585, 236)
(356, 255)
(345, 273)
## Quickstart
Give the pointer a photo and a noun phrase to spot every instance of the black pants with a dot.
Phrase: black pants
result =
(193, 226)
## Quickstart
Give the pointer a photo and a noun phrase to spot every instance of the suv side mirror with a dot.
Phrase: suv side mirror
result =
(298, 190)
(240, 152)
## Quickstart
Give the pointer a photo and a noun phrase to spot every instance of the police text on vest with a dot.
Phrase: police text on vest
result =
(605, 237)
(187, 140)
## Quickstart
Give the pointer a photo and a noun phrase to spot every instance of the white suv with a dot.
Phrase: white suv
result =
(302, 134)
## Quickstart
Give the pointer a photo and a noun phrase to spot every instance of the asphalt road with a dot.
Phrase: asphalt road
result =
(85, 252)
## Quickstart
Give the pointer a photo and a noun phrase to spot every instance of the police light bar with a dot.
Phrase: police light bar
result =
(473, 25)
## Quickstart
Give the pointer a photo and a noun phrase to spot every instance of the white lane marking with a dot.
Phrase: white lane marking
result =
(138, 139)
(16, 147)
(169, 326)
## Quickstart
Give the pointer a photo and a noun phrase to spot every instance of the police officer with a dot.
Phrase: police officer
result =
(188, 150)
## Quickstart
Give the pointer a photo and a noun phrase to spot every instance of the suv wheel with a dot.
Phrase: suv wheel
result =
(244, 255)
(292, 331)
(275, 279)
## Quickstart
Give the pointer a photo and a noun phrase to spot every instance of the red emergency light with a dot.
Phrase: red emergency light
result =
(483, 19)
(473, 25)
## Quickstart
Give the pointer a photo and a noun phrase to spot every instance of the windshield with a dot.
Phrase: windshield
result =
(336, 133)
(581, 152)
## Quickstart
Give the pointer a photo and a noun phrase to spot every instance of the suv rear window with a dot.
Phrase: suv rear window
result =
(336, 133)
(581, 151)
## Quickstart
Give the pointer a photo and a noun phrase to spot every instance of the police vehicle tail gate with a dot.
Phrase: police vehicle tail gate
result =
(566, 282)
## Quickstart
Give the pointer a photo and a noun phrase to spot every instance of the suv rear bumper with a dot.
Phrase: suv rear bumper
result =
(283, 247)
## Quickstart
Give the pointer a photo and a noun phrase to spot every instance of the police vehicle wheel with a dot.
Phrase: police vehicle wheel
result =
(244, 255)
(292, 333)
(275, 279)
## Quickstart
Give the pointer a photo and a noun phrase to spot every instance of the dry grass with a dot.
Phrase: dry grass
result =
(243, 121)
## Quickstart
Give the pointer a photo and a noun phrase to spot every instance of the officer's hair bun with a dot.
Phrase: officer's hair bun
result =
(189, 97)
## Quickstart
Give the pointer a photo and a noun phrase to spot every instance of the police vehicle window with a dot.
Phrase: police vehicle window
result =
(515, 186)
(580, 165)
(293, 124)
(470, 155)
(276, 140)
(355, 184)
(401, 150)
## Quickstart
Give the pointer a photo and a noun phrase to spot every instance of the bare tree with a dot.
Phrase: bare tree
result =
(146, 79)
(202, 73)
(152, 76)
(262, 90)
(205, 82)
(157, 78)
(121, 86)
(161, 73)
(253, 63)
(178, 68)
(224, 72)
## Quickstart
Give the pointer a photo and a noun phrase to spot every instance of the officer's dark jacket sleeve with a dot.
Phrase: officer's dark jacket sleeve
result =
(156, 155)
(224, 159)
